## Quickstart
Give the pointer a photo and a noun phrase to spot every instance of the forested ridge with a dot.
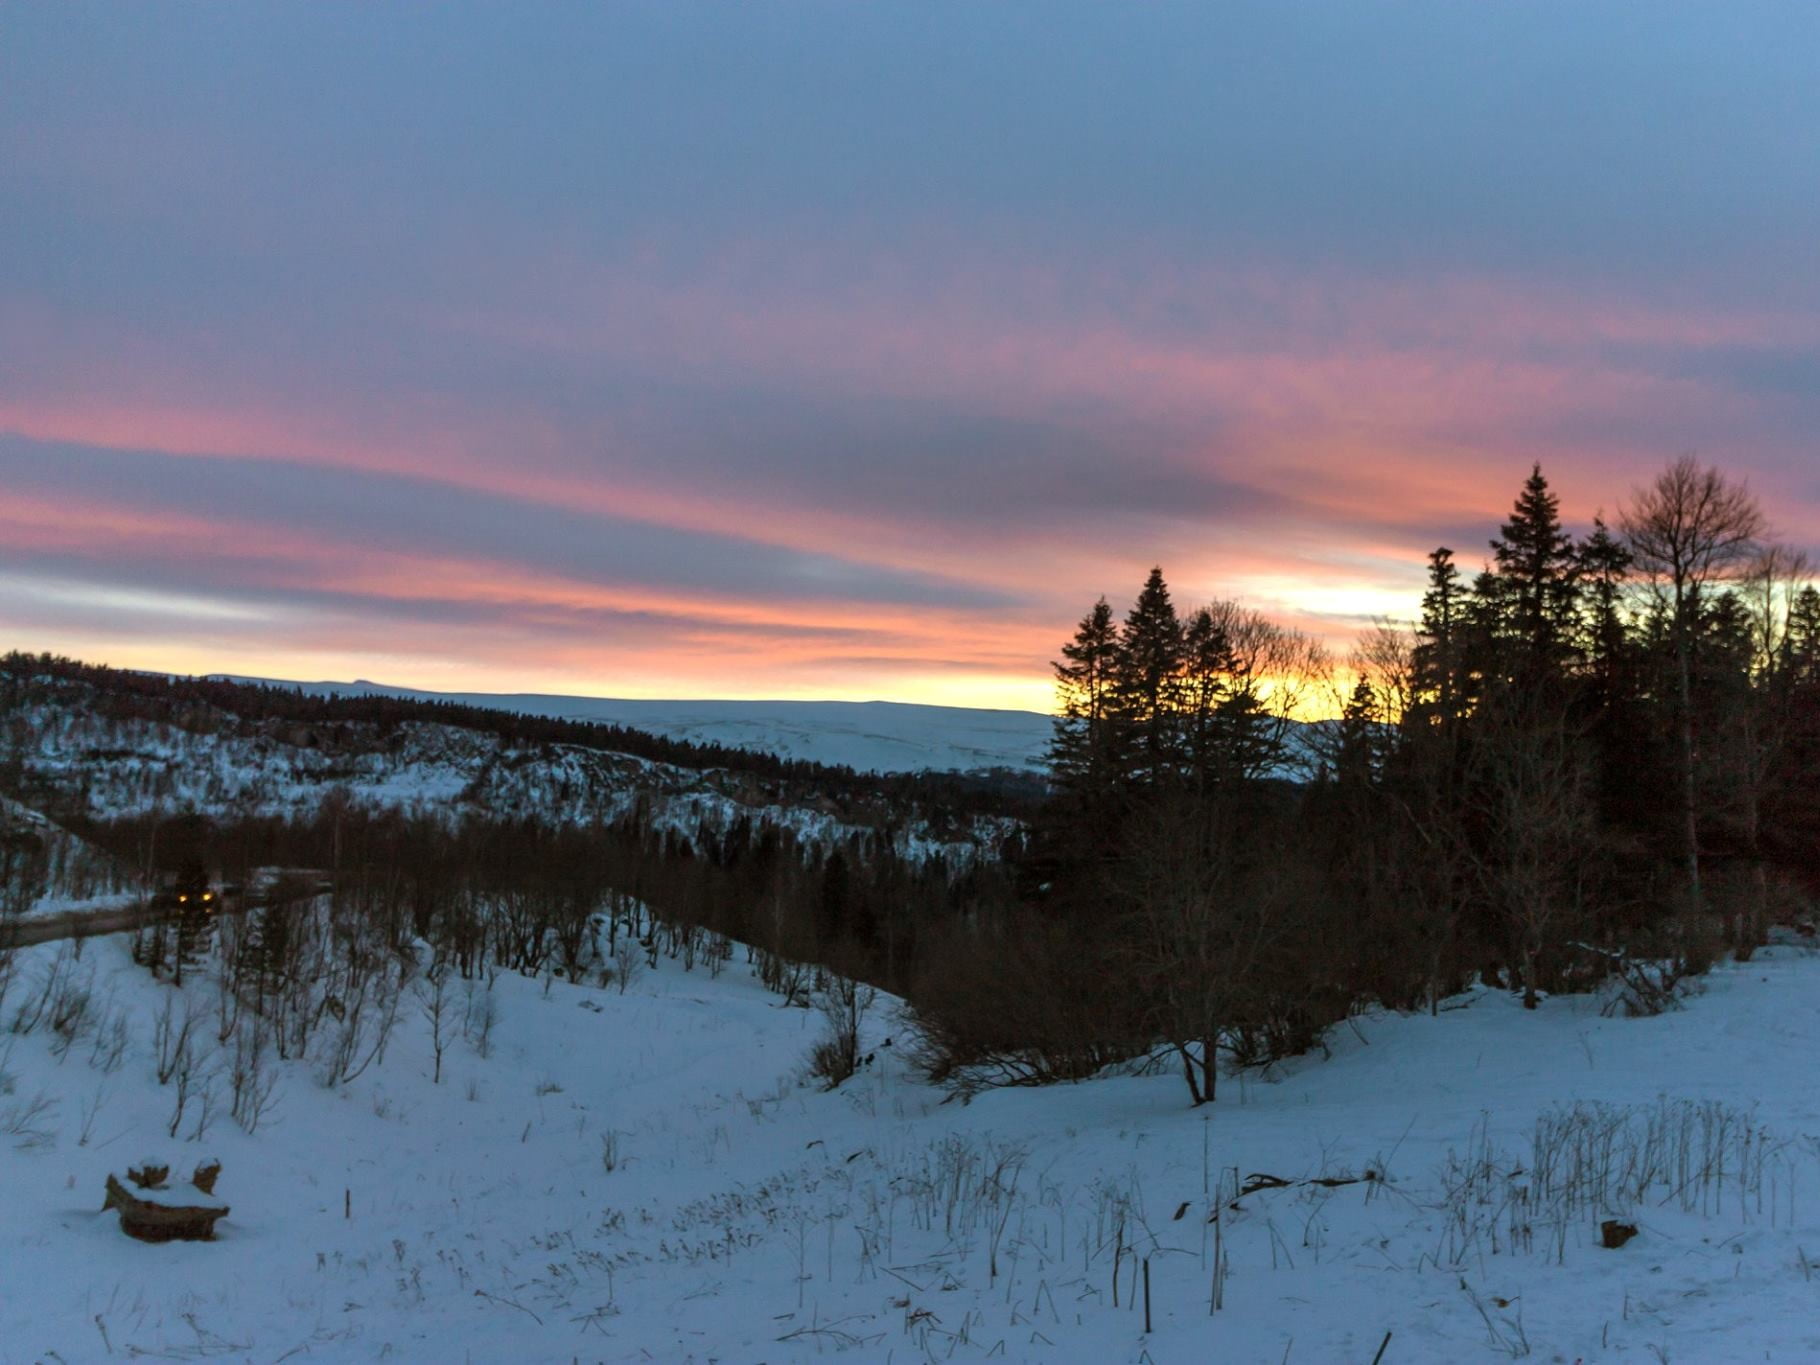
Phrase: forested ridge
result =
(507, 857)
(1591, 764)
(1595, 761)
(314, 718)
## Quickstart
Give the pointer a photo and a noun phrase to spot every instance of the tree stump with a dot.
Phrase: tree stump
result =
(1613, 1234)
(153, 1212)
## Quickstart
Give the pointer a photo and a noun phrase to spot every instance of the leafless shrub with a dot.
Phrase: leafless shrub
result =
(482, 1016)
(228, 980)
(1647, 988)
(1590, 1161)
(91, 1110)
(52, 994)
(108, 1050)
(207, 1105)
(629, 963)
(432, 994)
(789, 977)
(1532, 796)
(364, 1030)
(173, 1037)
(252, 1079)
(28, 1122)
(1021, 1003)
(836, 1055)
(186, 1073)
(963, 1185)
(70, 1015)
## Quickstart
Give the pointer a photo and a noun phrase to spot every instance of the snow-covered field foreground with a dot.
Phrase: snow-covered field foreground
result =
(645, 1176)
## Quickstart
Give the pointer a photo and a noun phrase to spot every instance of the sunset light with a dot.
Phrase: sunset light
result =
(838, 683)
(611, 397)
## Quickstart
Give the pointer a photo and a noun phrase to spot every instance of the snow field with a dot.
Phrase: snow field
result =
(646, 1176)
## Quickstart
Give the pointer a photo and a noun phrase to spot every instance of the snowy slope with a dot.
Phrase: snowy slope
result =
(217, 764)
(868, 736)
(748, 1217)
(52, 871)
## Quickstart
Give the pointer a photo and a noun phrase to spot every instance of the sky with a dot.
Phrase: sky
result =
(852, 351)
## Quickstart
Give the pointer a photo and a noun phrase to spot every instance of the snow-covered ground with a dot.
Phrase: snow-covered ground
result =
(645, 1176)
(218, 765)
(870, 736)
(65, 875)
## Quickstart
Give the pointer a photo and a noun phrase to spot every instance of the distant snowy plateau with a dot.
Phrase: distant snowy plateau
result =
(870, 736)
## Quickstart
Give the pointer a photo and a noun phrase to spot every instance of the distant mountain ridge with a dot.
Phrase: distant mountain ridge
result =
(880, 736)
(96, 745)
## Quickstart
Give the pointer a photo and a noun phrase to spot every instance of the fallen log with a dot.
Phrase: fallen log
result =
(153, 1212)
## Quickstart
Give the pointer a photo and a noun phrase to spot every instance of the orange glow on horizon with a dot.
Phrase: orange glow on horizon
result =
(1305, 470)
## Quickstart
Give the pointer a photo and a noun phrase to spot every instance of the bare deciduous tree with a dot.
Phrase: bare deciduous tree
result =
(432, 992)
(1531, 789)
(1385, 658)
(1773, 580)
(252, 1079)
(1691, 527)
(1272, 673)
(844, 1001)
(1208, 926)
(1760, 728)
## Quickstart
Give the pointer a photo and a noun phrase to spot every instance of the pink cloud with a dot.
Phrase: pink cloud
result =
(1363, 413)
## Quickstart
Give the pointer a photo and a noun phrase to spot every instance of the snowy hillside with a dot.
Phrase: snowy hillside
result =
(44, 869)
(875, 736)
(645, 1176)
(77, 751)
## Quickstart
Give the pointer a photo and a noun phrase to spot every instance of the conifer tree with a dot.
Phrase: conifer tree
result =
(1437, 646)
(1356, 759)
(1086, 679)
(1149, 682)
(1602, 563)
(1206, 688)
(1539, 572)
(1802, 646)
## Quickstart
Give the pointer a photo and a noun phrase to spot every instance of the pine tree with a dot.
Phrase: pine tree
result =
(1724, 647)
(1536, 561)
(1086, 678)
(1149, 681)
(1356, 761)
(1437, 649)
(1602, 563)
(1802, 644)
(1207, 669)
